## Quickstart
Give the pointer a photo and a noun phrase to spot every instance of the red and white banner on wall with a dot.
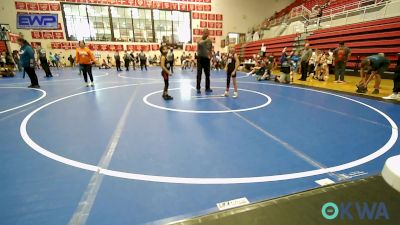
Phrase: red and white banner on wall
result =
(44, 7)
(13, 37)
(212, 32)
(34, 6)
(190, 48)
(146, 48)
(58, 35)
(65, 45)
(195, 39)
(211, 16)
(207, 16)
(36, 35)
(211, 25)
(155, 47)
(187, 5)
(203, 24)
(196, 16)
(20, 5)
(47, 35)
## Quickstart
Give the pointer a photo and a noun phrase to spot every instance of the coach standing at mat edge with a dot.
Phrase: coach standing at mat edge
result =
(204, 47)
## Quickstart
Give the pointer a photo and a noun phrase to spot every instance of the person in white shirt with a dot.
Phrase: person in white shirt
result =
(256, 36)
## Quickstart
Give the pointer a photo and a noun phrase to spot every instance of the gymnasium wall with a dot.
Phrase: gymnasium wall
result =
(236, 15)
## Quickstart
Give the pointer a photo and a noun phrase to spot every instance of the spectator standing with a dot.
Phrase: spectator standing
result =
(341, 56)
(27, 60)
(117, 59)
(304, 59)
(143, 60)
(43, 61)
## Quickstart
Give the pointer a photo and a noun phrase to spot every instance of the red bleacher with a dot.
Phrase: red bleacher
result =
(363, 38)
(274, 46)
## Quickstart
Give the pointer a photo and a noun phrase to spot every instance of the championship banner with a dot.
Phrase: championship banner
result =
(183, 6)
(166, 5)
(191, 7)
(195, 16)
(21, 5)
(119, 48)
(111, 48)
(212, 32)
(199, 7)
(174, 6)
(47, 35)
(138, 48)
(203, 16)
(36, 34)
(157, 5)
(13, 37)
(54, 7)
(58, 35)
(211, 16)
(74, 45)
(104, 47)
(44, 7)
(32, 6)
(130, 48)
(65, 45)
(203, 24)
(207, 8)
(155, 47)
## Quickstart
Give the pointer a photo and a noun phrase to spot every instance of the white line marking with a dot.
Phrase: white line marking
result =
(286, 145)
(269, 100)
(52, 81)
(31, 102)
(188, 180)
(86, 203)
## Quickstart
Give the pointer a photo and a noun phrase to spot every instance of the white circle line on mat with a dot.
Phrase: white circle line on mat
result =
(269, 100)
(189, 180)
(23, 105)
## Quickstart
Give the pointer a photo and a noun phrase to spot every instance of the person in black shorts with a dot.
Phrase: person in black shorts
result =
(165, 73)
(232, 64)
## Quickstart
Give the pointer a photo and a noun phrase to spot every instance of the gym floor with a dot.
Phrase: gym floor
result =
(119, 154)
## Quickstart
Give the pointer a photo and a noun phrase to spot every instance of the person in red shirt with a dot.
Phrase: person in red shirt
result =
(85, 59)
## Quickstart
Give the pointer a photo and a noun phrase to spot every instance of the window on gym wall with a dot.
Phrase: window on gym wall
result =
(143, 26)
(122, 23)
(76, 22)
(89, 22)
(163, 25)
(181, 23)
(99, 23)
